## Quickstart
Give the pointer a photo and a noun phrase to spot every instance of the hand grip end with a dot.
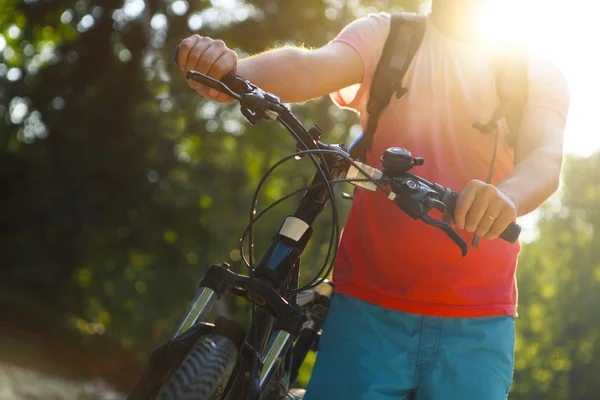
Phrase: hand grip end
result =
(512, 233)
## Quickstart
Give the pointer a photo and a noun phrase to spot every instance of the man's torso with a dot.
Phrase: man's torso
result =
(386, 257)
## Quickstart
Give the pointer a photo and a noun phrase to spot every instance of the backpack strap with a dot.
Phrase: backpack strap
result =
(403, 42)
(512, 86)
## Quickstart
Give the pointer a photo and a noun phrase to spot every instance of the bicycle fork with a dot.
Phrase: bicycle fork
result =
(275, 353)
(280, 342)
(203, 303)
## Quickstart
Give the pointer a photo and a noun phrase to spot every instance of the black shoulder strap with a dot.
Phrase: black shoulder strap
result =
(403, 42)
(512, 86)
(512, 78)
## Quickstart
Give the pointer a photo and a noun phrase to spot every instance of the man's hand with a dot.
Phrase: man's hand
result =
(209, 57)
(484, 210)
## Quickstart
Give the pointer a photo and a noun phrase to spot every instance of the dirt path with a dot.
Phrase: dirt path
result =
(18, 383)
(33, 367)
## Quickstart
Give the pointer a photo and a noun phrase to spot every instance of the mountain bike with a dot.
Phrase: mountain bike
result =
(226, 361)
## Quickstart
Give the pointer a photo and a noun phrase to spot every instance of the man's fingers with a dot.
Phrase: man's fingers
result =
(475, 213)
(463, 204)
(210, 93)
(500, 224)
(225, 64)
(209, 57)
(482, 209)
(201, 89)
(223, 98)
(196, 53)
(479, 207)
(185, 48)
(489, 217)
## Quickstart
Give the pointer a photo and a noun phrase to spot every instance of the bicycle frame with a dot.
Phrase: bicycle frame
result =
(276, 322)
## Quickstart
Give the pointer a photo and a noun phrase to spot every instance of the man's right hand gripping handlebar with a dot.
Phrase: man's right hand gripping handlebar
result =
(214, 79)
(209, 57)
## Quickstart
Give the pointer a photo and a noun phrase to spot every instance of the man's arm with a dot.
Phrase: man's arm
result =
(293, 74)
(487, 210)
(296, 74)
(539, 160)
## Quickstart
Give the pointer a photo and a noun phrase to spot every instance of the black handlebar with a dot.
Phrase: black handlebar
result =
(416, 196)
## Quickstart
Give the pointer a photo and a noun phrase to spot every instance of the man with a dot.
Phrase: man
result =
(411, 318)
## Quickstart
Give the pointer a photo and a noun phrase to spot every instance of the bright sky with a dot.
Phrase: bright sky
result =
(568, 33)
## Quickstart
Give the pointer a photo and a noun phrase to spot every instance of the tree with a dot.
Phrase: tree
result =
(559, 277)
(120, 186)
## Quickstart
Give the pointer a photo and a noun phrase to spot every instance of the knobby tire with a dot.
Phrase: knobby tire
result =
(203, 372)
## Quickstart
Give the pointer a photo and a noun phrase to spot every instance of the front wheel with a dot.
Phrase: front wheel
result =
(204, 371)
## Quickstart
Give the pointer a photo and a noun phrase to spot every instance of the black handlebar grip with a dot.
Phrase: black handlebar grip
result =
(511, 233)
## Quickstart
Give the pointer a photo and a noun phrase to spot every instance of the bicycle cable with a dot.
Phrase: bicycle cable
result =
(288, 196)
(255, 201)
(321, 276)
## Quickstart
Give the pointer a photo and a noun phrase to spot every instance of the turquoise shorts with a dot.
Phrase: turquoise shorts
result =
(370, 353)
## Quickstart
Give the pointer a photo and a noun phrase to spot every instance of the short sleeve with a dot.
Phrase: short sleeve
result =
(548, 87)
(367, 37)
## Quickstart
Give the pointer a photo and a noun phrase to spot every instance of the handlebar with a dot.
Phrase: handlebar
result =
(417, 196)
(411, 193)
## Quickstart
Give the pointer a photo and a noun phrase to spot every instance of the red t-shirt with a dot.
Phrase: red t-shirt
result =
(391, 260)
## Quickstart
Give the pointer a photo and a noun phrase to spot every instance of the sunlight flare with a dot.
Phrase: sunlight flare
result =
(565, 33)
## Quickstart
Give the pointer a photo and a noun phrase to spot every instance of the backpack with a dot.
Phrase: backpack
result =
(403, 42)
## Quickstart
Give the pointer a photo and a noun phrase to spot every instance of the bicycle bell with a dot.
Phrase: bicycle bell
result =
(397, 160)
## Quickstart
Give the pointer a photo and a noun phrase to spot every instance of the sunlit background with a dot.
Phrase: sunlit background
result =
(119, 186)
(566, 33)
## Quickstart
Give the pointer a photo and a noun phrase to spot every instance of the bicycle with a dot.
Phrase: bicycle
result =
(225, 361)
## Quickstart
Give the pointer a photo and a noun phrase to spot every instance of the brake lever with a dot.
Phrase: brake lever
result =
(212, 83)
(251, 116)
(447, 229)
(255, 103)
(435, 203)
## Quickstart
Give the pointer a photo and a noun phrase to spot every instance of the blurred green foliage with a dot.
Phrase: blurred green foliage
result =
(558, 331)
(120, 186)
